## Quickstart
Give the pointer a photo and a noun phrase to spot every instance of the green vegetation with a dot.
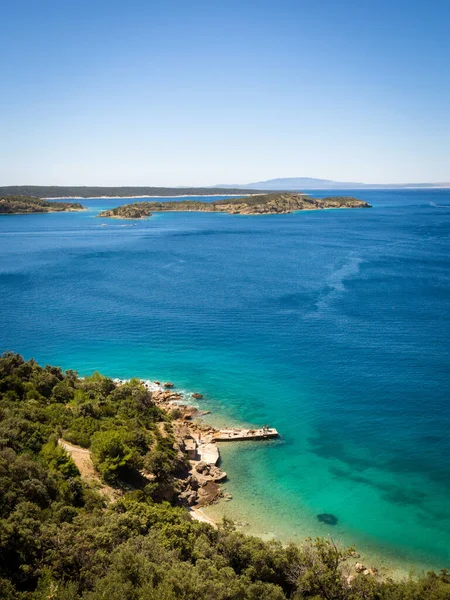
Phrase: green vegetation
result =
(280, 203)
(24, 204)
(56, 191)
(61, 539)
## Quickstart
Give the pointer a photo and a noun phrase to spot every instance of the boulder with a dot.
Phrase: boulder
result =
(359, 568)
(192, 483)
(217, 474)
(197, 396)
(202, 467)
(327, 518)
(188, 497)
(169, 384)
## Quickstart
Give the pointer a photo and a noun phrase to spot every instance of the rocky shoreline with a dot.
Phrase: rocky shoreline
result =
(196, 441)
(193, 440)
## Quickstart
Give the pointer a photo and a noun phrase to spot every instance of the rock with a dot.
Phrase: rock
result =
(350, 578)
(217, 474)
(188, 497)
(201, 467)
(359, 568)
(157, 382)
(327, 518)
(193, 482)
(169, 384)
(197, 396)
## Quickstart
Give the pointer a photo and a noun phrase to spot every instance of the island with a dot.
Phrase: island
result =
(261, 204)
(18, 205)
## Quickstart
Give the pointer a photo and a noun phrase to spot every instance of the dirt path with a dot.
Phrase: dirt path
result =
(162, 429)
(83, 460)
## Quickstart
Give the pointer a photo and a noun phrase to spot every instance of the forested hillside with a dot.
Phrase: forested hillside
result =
(62, 537)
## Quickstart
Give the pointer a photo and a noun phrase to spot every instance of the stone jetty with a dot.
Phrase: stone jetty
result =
(238, 435)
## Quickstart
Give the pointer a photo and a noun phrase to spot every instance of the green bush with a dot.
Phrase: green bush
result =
(112, 455)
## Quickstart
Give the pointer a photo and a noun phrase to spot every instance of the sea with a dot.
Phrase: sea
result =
(332, 326)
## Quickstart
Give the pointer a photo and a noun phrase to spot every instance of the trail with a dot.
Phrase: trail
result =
(83, 460)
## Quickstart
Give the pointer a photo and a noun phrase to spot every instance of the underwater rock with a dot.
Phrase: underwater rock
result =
(327, 518)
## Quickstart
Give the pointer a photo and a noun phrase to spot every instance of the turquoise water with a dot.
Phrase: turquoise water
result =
(332, 326)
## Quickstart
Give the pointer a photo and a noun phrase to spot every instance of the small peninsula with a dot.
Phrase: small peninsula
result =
(18, 205)
(261, 204)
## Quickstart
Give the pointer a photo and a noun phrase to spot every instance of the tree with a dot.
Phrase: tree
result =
(112, 456)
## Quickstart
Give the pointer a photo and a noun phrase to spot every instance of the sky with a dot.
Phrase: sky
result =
(201, 92)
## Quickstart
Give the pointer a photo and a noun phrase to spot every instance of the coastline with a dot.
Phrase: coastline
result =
(248, 517)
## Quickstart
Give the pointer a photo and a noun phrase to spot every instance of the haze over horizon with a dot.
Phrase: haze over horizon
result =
(191, 94)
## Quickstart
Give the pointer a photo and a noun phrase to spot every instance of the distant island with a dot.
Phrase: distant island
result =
(312, 183)
(56, 191)
(17, 205)
(264, 204)
(292, 184)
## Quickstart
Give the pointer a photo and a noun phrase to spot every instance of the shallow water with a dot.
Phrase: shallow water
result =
(332, 326)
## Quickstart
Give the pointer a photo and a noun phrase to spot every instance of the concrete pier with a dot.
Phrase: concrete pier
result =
(237, 435)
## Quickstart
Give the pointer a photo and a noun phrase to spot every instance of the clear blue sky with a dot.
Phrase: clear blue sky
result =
(145, 92)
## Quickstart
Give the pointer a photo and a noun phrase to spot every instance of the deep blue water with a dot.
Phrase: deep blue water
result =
(332, 326)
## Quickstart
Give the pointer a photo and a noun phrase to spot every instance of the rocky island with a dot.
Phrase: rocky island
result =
(17, 205)
(261, 204)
